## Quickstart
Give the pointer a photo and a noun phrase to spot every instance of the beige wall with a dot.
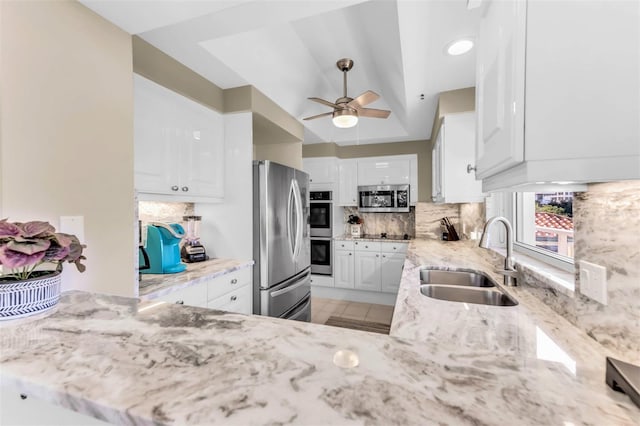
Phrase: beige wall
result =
(66, 132)
(289, 154)
(155, 65)
(460, 100)
(421, 148)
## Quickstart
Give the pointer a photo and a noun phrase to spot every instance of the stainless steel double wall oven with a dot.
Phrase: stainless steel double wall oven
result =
(321, 222)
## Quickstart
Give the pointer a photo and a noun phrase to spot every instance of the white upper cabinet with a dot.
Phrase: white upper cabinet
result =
(179, 146)
(558, 92)
(453, 152)
(384, 171)
(322, 170)
(348, 178)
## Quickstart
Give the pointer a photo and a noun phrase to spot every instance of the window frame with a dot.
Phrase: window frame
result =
(507, 206)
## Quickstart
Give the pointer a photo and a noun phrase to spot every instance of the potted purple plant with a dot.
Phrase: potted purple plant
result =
(26, 285)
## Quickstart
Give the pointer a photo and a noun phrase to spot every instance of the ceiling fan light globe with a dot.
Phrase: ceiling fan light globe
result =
(344, 119)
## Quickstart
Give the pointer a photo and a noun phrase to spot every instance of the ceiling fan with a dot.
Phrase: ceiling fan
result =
(346, 110)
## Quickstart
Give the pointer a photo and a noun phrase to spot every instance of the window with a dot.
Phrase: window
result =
(544, 224)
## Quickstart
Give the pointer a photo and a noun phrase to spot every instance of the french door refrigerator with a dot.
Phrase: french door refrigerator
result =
(281, 242)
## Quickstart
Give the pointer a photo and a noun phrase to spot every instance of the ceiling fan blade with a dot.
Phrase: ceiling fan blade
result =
(323, 102)
(364, 99)
(318, 116)
(373, 113)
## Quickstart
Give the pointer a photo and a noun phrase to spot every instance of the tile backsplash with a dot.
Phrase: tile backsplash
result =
(466, 218)
(154, 211)
(376, 223)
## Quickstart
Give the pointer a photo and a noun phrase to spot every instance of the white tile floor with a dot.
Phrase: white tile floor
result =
(322, 309)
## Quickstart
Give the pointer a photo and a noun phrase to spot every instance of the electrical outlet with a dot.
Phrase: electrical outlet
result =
(593, 281)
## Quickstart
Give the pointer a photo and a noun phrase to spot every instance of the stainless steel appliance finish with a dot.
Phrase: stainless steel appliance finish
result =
(383, 198)
(281, 241)
(321, 213)
(321, 256)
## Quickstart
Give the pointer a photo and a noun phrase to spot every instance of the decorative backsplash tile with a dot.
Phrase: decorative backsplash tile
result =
(607, 224)
(377, 223)
(154, 211)
(466, 218)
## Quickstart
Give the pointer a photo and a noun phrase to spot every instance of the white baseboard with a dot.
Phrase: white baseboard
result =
(362, 296)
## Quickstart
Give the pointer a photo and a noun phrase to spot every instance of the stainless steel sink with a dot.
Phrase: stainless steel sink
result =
(483, 296)
(460, 277)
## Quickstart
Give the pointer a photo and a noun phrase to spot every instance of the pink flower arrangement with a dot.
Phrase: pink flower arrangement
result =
(25, 246)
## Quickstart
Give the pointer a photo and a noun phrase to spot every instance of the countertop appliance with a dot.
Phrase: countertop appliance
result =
(281, 242)
(193, 250)
(383, 198)
(162, 247)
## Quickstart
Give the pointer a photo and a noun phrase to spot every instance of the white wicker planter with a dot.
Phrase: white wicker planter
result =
(32, 296)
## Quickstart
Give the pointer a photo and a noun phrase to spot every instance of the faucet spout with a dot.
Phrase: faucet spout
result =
(509, 279)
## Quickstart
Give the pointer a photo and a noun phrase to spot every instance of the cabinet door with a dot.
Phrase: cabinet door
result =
(367, 273)
(384, 171)
(321, 170)
(391, 267)
(343, 274)
(201, 140)
(239, 301)
(155, 153)
(195, 295)
(413, 180)
(500, 87)
(348, 175)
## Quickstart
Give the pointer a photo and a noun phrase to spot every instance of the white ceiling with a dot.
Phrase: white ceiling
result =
(288, 51)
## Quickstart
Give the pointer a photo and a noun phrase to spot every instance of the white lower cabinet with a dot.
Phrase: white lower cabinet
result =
(231, 292)
(195, 295)
(343, 268)
(391, 266)
(239, 301)
(369, 265)
(19, 408)
(321, 280)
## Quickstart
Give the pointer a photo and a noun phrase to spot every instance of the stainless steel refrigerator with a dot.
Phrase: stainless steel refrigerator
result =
(281, 242)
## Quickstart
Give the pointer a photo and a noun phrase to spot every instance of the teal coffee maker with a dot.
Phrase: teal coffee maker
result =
(163, 248)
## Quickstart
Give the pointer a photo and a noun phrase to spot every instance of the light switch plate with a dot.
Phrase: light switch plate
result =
(593, 281)
(73, 225)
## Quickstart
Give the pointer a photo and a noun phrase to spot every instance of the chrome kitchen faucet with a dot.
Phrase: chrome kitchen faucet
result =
(510, 273)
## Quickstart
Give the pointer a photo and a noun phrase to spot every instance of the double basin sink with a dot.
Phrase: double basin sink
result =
(463, 285)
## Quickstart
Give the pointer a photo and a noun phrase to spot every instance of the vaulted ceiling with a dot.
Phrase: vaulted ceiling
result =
(288, 51)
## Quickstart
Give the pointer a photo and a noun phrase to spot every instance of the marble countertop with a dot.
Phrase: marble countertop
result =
(155, 285)
(155, 362)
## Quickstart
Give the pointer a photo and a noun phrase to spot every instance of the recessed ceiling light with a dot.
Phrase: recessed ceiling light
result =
(459, 47)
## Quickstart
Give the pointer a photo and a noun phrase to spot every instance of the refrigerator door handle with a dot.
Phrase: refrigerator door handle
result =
(300, 282)
(290, 235)
(299, 214)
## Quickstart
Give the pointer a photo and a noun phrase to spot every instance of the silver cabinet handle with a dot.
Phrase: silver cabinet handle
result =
(349, 254)
(470, 168)
(377, 255)
(234, 298)
(23, 396)
(174, 188)
(234, 281)
(366, 246)
(384, 255)
(185, 188)
(180, 302)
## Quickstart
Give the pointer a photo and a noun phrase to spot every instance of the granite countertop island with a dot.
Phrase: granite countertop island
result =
(152, 362)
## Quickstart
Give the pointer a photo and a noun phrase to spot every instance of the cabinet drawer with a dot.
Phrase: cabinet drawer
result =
(344, 245)
(195, 295)
(239, 301)
(367, 245)
(322, 280)
(228, 282)
(393, 247)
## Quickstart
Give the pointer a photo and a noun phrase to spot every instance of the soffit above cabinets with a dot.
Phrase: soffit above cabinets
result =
(288, 51)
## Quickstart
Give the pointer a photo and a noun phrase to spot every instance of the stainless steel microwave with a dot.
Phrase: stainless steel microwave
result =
(383, 198)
